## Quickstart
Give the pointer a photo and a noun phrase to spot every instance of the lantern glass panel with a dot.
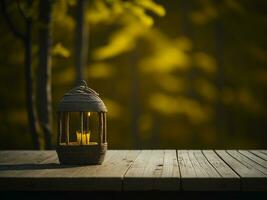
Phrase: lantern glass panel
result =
(80, 128)
(63, 127)
(94, 126)
(74, 125)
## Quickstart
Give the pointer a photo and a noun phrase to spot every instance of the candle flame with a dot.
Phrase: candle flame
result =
(83, 138)
(88, 114)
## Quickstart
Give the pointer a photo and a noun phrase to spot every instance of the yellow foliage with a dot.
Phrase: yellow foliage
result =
(60, 50)
(60, 15)
(246, 98)
(206, 89)
(67, 76)
(100, 70)
(205, 62)
(117, 10)
(150, 5)
(163, 103)
(114, 109)
(242, 97)
(170, 83)
(168, 105)
(235, 5)
(99, 12)
(145, 122)
(166, 56)
(124, 13)
(183, 43)
(120, 42)
(165, 60)
(71, 2)
(205, 15)
(140, 13)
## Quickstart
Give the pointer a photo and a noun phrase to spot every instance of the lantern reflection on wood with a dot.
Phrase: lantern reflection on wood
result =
(75, 146)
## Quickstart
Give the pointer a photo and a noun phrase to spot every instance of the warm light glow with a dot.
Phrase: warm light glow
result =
(83, 138)
(88, 114)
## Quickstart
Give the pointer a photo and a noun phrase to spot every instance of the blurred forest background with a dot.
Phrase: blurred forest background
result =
(172, 73)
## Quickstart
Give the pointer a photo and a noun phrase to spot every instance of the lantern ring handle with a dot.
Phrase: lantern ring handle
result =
(86, 88)
(83, 83)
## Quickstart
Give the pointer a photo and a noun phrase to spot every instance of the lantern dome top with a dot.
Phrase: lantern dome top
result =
(81, 99)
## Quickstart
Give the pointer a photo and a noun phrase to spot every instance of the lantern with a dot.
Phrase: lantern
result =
(82, 130)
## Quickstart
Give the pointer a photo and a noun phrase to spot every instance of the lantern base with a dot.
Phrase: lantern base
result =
(81, 154)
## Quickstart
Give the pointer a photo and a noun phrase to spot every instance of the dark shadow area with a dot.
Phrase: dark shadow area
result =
(134, 195)
(34, 166)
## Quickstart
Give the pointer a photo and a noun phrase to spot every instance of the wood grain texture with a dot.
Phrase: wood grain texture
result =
(230, 180)
(221, 167)
(153, 170)
(24, 157)
(50, 175)
(246, 161)
(255, 158)
(199, 174)
(259, 154)
(189, 170)
(251, 178)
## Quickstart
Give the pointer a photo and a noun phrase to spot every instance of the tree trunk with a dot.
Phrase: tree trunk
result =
(30, 97)
(155, 140)
(81, 40)
(44, 73)
(187, 30)
(220, 110)
(135, 100)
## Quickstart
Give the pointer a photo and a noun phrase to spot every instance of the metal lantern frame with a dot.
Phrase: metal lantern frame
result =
(84, 100)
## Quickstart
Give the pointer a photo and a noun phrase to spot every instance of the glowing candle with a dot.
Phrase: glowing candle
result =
(83, 138)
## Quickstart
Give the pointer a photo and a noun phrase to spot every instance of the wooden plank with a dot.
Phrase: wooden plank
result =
(264, 151)
(24, 157)
(254, 158)
(53, 176)
(186, 168)
(15, 163)
(251, 178)
(231, 180)
(153, 170)
(259, 154)
(49, 177)
(201, 165)
(248, 162)
(200, 169)
(240, 168)
(107, 176)
(49, 166)
(199, 175)
(222, 168)
(136, 170)
(18, 163)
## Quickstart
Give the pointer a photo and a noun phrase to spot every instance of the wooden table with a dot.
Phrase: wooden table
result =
(179, 170)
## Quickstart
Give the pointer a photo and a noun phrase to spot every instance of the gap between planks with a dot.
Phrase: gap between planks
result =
(252, 179)
(153, 170)
(209, 170)
(205, 171)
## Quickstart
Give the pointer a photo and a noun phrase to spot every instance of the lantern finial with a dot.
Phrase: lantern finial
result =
(83, 83)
